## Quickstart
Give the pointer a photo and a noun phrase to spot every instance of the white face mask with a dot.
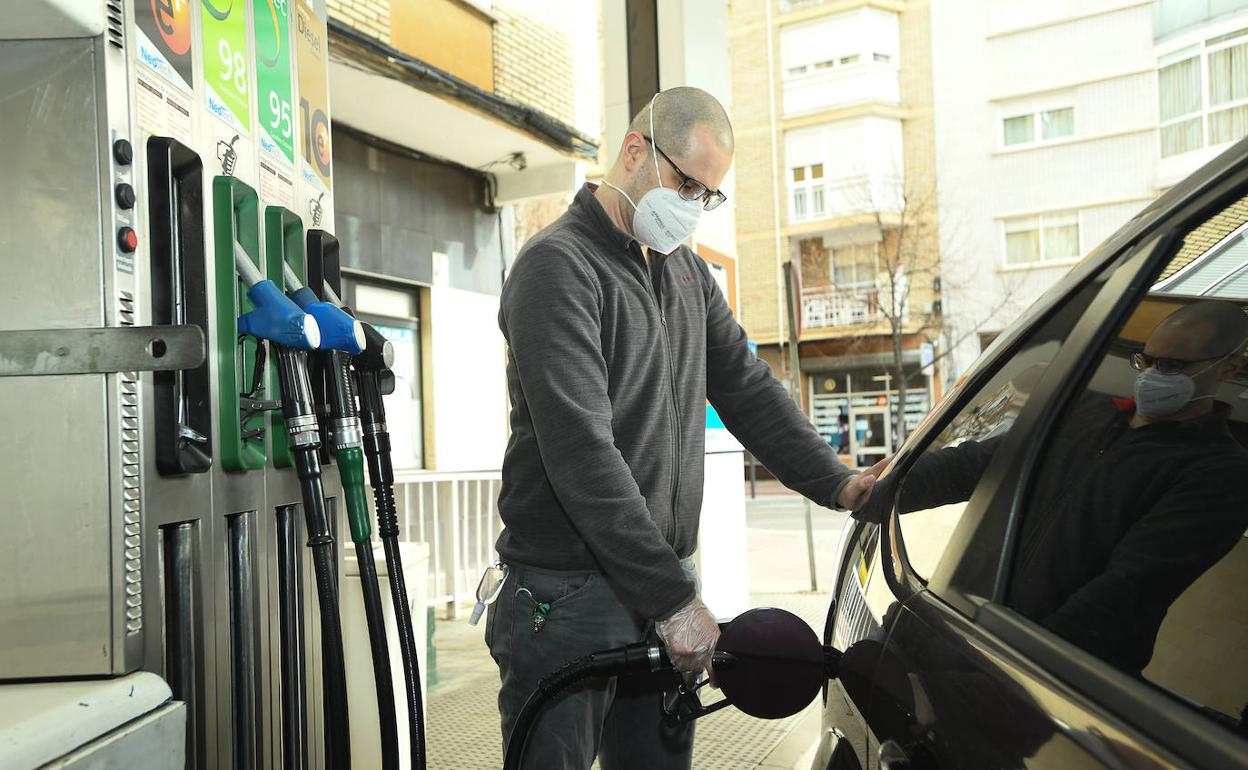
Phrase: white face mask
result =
(1160, 395)
(662, 220)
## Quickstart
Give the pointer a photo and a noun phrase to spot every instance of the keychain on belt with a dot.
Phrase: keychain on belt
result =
(540, 610)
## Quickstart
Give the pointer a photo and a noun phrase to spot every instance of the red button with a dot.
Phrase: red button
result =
(127, 239)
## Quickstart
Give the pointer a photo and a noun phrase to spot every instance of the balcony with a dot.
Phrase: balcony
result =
(866, 194)
(841, 86)
(826, 307)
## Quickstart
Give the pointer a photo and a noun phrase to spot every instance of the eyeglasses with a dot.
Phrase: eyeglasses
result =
(1142, 361)
(691, 189)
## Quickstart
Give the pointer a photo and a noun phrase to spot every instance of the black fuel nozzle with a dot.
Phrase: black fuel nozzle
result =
(378, 352)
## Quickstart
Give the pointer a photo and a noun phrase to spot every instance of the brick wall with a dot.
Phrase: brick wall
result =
(372, 17)
(755, 174)
(532, 62)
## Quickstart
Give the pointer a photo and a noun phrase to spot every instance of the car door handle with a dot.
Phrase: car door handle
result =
(893, 756)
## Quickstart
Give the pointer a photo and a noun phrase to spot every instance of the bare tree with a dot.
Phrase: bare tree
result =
(911, 275)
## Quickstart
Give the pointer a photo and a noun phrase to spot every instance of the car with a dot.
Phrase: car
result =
(1046, 576)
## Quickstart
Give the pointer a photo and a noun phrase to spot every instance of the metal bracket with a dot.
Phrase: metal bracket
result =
(100, 351)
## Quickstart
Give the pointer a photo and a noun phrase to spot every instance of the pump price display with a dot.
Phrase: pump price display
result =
(226, 76)
(312, 53)
(272, 22)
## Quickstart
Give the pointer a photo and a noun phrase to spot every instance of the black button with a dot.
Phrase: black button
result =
(127, 240)
(123, 152)
(125, 195)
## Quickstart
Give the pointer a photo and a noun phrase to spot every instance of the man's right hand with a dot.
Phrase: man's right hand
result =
(857, 492)
(690, 636)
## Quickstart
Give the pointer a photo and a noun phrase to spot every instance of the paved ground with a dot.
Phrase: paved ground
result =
(463, 731)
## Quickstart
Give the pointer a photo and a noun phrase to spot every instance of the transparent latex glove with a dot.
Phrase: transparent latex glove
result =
(689, 636)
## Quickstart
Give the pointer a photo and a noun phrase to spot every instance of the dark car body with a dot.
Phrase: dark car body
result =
(939, 670)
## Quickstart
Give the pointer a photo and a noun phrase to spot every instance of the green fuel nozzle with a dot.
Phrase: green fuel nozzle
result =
(346, 436)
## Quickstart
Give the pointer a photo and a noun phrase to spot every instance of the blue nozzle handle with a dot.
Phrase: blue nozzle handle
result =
(339, 331)
(278, 319)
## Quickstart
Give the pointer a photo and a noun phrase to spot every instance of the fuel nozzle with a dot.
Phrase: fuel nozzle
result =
(275, 316)
(377, 352)
(340, 331)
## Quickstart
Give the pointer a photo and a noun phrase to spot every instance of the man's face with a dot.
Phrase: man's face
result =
(704, 160)
(1198, 347)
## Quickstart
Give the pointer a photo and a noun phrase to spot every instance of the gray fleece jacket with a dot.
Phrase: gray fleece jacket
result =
(610, 365)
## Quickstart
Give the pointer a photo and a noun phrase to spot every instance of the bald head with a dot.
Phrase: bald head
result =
(678, 112)
(1210, 327)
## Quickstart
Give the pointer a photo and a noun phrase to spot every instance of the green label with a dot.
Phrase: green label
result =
(223, 29)
(272, 21)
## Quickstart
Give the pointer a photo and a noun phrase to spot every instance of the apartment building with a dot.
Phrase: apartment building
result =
(1055, 123)
(836, 175)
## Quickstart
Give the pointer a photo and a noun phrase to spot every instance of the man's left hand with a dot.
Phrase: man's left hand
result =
(855, 494)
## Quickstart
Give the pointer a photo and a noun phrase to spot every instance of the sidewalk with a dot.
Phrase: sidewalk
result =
(462, 721)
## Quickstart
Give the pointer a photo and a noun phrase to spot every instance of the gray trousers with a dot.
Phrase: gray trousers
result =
(617, 720)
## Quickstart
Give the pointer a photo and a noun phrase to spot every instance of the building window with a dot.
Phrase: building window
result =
(882, 58)
(1020, 129)
(806, 183)
(1043, 126)
(1043, 238)
(855, 266)
(1055, 124)
(1203, 94)
(394, 310)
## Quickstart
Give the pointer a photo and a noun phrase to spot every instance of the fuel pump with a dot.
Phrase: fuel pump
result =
(293, 333)
(371, 367)
(347, 339)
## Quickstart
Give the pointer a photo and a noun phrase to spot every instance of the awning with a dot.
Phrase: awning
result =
(389, 94)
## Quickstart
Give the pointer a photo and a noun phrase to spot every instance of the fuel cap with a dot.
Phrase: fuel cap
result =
(769, 663)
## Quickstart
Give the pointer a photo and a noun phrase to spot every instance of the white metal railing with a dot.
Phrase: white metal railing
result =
(877, 193)
(456, 513)
(823, 308)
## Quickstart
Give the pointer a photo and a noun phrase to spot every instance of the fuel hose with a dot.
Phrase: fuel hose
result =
(381, 477)
(301, 425)
(345, 430)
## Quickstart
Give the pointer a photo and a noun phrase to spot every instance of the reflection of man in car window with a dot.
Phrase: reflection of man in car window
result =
(1137, 497)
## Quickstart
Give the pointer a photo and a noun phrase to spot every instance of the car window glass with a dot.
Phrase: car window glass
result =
(935, 490)
(1132, 540)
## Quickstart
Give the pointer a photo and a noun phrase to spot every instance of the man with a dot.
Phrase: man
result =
(1138, 499)
(618, 335)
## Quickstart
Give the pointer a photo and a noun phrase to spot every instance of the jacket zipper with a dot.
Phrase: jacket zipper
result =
(671, 380)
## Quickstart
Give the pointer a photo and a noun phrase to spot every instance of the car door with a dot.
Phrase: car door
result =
(1056, 608)
(866, 601)
(856, 622)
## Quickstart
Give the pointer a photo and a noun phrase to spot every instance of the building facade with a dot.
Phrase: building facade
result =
(836, 176)
(1055, 123)
(454, 122)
